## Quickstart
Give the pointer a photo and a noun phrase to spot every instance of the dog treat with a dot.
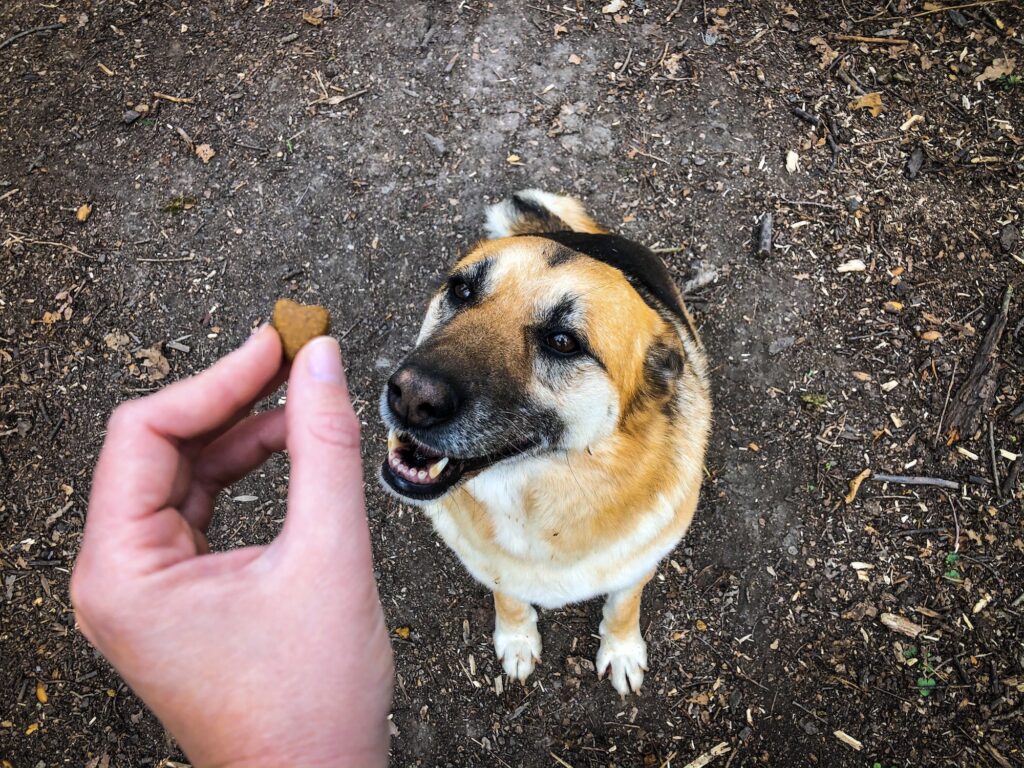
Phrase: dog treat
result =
(298, 323)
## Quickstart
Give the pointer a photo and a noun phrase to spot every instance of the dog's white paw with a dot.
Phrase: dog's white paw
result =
(626, 660)
(519, 650)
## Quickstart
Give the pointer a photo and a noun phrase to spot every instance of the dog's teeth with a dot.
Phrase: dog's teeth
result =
(393, 441)
(422, 475)
(438, 467)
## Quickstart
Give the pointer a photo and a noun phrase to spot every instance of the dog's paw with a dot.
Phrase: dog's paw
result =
(626, 659)
(518, 649)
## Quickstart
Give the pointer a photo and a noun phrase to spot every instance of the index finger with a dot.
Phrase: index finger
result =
(141, 468)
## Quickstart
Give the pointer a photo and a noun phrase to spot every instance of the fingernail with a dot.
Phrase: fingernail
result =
(324, 360)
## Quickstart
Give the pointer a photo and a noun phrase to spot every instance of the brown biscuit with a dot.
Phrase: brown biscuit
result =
(298, 323)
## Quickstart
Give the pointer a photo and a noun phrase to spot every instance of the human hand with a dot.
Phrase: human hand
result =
(272, 655)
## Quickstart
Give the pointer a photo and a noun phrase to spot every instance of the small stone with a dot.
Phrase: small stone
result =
(1008, 238)
(434, 143)
(780, 344)
(129, 116)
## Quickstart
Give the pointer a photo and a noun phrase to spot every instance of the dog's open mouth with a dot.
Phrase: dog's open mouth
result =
(417, 471)
(420, 472)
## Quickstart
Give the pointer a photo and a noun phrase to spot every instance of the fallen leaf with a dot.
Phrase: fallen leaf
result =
(574, 59)
(870, 101)
(43, 697)
(154, 365)
(931, 336)
(49, 318)
(827, 53)
(83, 213)
(514, 160)
(861, 376)
(116, 340)
(402, 632)
(701, 626)
(561, 29)
(32, 729)
(855, 485)
(998, 68)
(792, 161)
(314, 17)
(893, 307)
(613, 7)
(205, 153)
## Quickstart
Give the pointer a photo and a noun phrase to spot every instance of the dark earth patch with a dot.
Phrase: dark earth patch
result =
(673, 123)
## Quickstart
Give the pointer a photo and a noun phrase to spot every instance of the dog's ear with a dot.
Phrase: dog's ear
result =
(663, 366)
(533, 211)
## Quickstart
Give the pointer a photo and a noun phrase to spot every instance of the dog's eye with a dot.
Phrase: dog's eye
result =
(563, 343)
(460, 290)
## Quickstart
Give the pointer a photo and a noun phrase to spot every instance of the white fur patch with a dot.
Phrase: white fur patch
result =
(517, 645)
(502, 216)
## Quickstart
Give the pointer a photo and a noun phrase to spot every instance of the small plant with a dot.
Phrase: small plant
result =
(953, 574)
(926, 682)
(1009, 82)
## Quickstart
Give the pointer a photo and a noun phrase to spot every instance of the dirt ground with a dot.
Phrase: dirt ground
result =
(353, 151)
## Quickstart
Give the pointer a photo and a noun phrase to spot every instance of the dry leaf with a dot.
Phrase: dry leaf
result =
(514, 160)
(154, 365)
(613, 7)
(827, 53)
(855, 485)
(116, 340)
(792, 161)
(870, 101)
(931, 336)
(43, 698)
(205, 152)
(314, 17)
(49, 318)
(998, 68)
(83, 213)
(402, 632)
(574, 59)
(893, 307)
(561, 29)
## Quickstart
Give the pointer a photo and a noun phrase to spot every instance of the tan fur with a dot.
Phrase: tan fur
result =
(572, 512)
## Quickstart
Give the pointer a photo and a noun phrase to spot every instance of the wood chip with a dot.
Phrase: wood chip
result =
(901, 624)
(853, 265)
(716, 751)
(848, 740)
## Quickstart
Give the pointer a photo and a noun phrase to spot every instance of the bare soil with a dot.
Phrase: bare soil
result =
(352, 161)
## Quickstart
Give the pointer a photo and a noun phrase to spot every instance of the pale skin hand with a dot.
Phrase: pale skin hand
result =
(272, 655)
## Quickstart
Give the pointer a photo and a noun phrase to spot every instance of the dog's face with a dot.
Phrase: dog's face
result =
(528, 348)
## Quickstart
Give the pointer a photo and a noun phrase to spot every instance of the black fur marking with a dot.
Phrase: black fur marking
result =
(641, 266)
(541, 219)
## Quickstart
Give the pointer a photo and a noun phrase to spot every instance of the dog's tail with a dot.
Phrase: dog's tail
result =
(532, 211)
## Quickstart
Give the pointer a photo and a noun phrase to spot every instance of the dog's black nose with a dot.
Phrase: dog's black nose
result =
(419, 398)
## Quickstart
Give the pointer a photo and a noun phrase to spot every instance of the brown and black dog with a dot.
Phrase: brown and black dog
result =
(552, 421)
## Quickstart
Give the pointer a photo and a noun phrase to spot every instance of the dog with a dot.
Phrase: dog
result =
(551, 420)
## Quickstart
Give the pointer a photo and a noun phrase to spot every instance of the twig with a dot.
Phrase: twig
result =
(559, 760)
(675, 249)
(20, 238)
(916, 480)
(172, 99)
(674, 12)
(879, 40)
(875, 141)
(810, 203)
(1011, 477)
(995, 464)
(166, 261)
(934, 10)
(949, 391)
(27, 32)
(716, 751)
(956, 525)
(764, 235)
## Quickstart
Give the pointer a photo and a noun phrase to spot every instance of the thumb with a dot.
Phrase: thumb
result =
(325, 494)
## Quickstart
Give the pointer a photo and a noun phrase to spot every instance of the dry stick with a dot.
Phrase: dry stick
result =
(916, 480)
(674, 12)
(978, 390)
(937, 10)
(28, 32)
(1011, 477)
(956, 525)
(995, 464)
(172, 99)
(764, 235)
(949, 391)
(880, 40)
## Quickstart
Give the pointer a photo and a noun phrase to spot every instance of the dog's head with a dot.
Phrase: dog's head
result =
(534, 344)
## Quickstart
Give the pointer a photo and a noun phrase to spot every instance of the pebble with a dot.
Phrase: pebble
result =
(780, 344)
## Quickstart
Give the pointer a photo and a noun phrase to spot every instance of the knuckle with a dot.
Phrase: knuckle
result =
(336, 427)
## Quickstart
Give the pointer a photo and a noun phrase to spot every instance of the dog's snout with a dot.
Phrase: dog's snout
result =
(420, 398)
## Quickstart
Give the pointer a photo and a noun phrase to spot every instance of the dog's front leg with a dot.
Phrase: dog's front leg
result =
(516, 639)
(623, 649)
